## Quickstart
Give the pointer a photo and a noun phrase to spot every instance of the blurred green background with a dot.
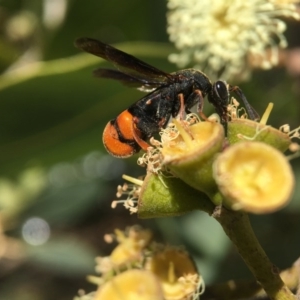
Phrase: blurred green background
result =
(56, 180)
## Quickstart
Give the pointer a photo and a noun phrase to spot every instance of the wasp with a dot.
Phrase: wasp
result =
(171, 94)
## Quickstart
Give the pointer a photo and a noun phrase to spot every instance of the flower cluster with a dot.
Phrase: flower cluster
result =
(220, 36)
(141, 269)
(195, 166)
(246, 170)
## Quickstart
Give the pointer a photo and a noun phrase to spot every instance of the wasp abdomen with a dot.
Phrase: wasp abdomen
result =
(118, 136)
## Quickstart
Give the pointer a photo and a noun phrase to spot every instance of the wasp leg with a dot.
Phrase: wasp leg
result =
(181, 114)
(136, 135)
(196, 98)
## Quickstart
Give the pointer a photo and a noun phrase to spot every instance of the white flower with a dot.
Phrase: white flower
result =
(219, 35)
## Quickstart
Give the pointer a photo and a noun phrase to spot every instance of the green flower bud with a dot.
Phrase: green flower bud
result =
(169, 196)
(245, 129)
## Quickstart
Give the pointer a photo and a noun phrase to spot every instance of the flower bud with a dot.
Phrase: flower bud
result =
(169, 196)
(245, 129)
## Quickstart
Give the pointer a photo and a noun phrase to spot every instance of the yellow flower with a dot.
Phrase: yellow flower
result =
(255, 177)
(176, 272)
(163, 272)
(133, 285)
(132, 243)
(217, 36)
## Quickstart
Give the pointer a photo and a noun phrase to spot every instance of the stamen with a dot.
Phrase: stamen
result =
(266, 114)
(185, 136)
(133, 180)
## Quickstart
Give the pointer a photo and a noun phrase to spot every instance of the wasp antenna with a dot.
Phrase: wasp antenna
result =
(253, 115)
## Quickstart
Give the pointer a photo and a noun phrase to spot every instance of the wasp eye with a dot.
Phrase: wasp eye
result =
(221, 90)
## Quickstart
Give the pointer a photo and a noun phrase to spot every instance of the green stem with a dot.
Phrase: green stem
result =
(238, 228)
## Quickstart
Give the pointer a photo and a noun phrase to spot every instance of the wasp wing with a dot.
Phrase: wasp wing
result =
(126, 63)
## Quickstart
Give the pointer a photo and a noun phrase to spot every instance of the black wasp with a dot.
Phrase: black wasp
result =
(170, 95)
